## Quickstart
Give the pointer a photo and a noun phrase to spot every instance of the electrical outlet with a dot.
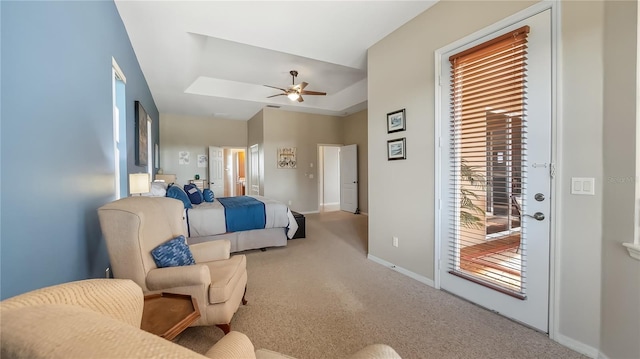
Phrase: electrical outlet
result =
(394, 242)
(289, 202)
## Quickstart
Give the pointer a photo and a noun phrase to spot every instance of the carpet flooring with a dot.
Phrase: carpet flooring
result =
(320, 297)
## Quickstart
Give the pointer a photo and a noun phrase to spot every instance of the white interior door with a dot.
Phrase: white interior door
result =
(460, 269)
(216, 170)
(349, 178)
(254, 175)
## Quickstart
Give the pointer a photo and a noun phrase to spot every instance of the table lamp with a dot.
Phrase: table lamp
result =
(139, 183)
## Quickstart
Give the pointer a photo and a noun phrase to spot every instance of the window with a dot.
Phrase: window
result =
(488, 137)
(119, 132)
(149, 148)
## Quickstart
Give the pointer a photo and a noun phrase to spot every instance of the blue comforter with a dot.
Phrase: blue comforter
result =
(243, 213)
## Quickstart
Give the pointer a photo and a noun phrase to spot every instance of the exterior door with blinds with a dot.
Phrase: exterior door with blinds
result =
(496, 171)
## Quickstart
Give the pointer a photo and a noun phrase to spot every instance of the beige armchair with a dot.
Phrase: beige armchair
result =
(100, 318)
(134, 226)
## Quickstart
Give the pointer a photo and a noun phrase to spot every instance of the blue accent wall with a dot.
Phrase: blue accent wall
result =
(56, 137)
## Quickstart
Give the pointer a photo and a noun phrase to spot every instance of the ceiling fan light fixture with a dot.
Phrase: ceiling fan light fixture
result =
(294, 92)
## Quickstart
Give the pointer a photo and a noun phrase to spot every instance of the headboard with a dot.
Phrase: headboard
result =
(168, 179)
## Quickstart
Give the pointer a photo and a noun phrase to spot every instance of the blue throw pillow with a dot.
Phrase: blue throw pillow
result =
(208, 195)
(194, 193)
(173, 253)
(177, 193)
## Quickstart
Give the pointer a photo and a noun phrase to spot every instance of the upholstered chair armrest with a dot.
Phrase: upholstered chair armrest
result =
(170, 277)
(121, 299)
(59, 331)
(211, 251)
(234, 345)
(376, 351)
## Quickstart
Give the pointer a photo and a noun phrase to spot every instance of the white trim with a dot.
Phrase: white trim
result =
(330, 204)
(634, 250)
(580, 347)
(118, 70)
(438, 165)
(556, 148)
(556, 151)
(408, 273)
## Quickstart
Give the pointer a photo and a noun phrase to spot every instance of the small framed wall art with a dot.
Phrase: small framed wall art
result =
(396, 121)
(286, 157)
(141, 135)
(396, 149)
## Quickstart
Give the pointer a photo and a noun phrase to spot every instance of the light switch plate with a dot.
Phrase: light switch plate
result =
(583, 186)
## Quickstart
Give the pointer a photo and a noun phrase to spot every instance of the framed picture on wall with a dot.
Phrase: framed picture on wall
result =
(396, 121)
(396, 149)
(286, 157)
(141, 141)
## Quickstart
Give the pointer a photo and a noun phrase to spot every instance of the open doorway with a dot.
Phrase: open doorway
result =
(234, 171)
(328, 178)
(338, 178)
(227, 169)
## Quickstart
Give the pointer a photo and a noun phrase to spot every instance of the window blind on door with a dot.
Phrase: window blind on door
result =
(488, 138)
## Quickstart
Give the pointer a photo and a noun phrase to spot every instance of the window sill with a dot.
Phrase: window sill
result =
(634, 250)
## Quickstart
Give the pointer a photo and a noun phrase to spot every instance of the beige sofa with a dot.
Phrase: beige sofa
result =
(100, 318)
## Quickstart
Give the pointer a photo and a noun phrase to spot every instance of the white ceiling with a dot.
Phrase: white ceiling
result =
(212, 58)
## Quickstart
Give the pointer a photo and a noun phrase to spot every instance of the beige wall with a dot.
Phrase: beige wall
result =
(269, 129)
(195, 134)
(303, 131)
(579, 241)
(355, 132)
(620, 274)
(255, 136)
(401, 195)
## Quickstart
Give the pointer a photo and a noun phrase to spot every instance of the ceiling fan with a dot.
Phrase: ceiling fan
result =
(295, 92)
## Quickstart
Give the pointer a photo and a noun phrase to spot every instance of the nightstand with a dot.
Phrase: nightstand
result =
(200, 183)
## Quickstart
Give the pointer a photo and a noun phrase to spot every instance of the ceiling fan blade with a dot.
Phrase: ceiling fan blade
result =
(300, 99)
(278, 88)
(303, 85)
(280, 94)
(313, 93)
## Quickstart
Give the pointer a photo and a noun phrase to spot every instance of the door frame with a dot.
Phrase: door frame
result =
(320, 171)
(556, 146)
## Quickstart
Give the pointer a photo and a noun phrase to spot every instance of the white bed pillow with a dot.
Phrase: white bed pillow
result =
(158, 189)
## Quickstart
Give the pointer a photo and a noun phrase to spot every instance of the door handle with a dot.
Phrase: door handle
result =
(538, 216)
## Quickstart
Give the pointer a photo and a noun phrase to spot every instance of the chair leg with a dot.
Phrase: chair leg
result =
(226, 328)
(244, 301)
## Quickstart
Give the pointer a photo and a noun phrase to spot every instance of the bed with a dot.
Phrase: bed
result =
(248, 222)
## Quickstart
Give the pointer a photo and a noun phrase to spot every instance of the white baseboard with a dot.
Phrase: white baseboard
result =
(580, 347)
(330, 204)
(401, 270)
